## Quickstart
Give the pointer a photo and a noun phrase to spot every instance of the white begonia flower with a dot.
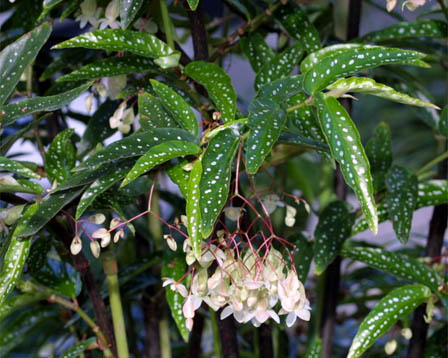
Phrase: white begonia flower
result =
(271, 202)
(390, 347)
(89, 13)
(290, 219)
(95, 248)
(103, 235)
(411, 5)
(88, 102)
(118, 235)
(122, 118)
(111, 14)
(406, 333)
(175, 286)
(172, 244)
(8, 180)
(391, 5)
(76, 245)
(97, 219)
(100, 88)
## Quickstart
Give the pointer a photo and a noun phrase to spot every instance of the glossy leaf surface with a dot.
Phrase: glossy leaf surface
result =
(397, 304)
(17, 302)
(334, 227)
(266, 121)
(346, 147)
(177, 106)
(401, 199)
(369, 86)
(193, 4)
(11, 112)
(281, 89)
(22, 186)
(193, 209)
(218, 85)
(15, 58)
(216, 174)
(303, 255)
(14, 166)
(159, 154)
(180, 176)
(137, 145)
(280, 66)
(61, 156)
(397, 264)
(353, 61)
(153, 114)
(128, 11)
(256, 50)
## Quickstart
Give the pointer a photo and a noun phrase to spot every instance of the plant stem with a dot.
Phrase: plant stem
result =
(432, 163)
(166, 24)
(444, 8)
(215, 332)
(70, 305)
(111, 271)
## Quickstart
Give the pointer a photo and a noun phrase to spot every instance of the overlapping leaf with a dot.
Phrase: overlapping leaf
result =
(16, 57)
(128, 11)
(280, 66)
(17, 302)
(303, 255)
(77, 349)
(177, 106)
(112, 66)
(14, 166)
(193, 209)
(218, 85)
(306, 143)
(100, 186)
(137, 145)
(397, 264)
(369, 86)
(21, 186)
(216, 174)
(174, 267)
(266, 121)
(61, 156)
(346, 147)
(11, 112)
(397, 304)
(401, 199)
(297, 25)
(355, 60)
(281, 89)
(422, 28)
(334, 227)
(180, 176)
(139, 43)
(159, 154)
(256, 50)
(443, 122)
(153, 114)
(379, 152)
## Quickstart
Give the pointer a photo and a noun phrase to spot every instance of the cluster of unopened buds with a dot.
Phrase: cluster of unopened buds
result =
(252, 285)
(102, 235)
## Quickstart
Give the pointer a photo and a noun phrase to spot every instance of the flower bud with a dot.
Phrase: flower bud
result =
(390, 347)
(118, 235)
(95, 248)
(97, 219)
(76, 245)
(114, 222)
(406, 333)
(88, 102)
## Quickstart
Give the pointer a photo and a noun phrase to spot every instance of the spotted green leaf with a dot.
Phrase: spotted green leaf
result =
(397, 304)
(139, 43)
(128, 11)
(422, 28)
(14, 166)
(193, 209)
(280, 66)
(218, 85)
(77, 349)
(11, 112)
(112, 66)
(353, 61)
(306, 143)
(46, 210)
(136, 145)
(315, 349)
(266, 121)
(159, 154)
(177, 106)
(334, 227)
(443, 123)
(215, 181)
(193, 4)
(100, 186)
(16, 57)
(61, 156)
(401, 199)
(304, 120)
(15, 256)
(379, 152)
(431, 192)
(295, 22)
(22, 186)
(153, 114)
(369, 86)
(346, 147)
(281, 89)
(303, 255)
(397, 264)
(24, 325)
(256, 50)
(17, 302)
(174, 267)
(98, 128)
(180, 176)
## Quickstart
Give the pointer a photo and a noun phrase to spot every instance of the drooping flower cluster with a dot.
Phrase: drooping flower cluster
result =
(253, 285)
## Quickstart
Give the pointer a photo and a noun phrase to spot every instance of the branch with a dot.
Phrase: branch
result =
(198, 32)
